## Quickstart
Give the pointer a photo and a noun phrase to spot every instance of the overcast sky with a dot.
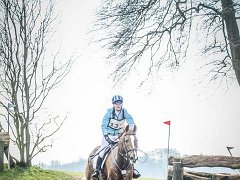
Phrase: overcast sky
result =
(204, 120)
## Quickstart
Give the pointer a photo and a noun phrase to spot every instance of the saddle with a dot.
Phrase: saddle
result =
(106, 154)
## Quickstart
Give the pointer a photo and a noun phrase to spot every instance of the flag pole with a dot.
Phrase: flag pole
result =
(169, 124)
(168, 141)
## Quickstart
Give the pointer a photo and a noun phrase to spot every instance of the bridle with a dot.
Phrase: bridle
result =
(133, 150)
(126, 153)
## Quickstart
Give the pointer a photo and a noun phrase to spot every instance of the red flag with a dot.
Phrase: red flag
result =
(229, 147)
(167, 122)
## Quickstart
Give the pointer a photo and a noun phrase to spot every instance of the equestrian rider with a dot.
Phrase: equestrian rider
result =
(112, 126)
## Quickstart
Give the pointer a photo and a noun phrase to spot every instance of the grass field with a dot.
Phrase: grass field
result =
(36, 173)
(82, 175)
(33, 173)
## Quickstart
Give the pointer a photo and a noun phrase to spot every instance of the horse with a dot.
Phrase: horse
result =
(118, 164)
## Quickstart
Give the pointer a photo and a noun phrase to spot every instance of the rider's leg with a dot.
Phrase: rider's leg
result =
(98, 167)
(100, 158)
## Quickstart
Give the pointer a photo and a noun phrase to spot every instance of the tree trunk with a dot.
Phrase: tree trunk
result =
(190, 175)
(229, 18)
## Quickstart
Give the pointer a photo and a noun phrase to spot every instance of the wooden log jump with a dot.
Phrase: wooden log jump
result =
(177, 164)
(209, 161)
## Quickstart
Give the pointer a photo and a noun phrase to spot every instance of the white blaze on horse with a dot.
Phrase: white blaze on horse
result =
(118, 164)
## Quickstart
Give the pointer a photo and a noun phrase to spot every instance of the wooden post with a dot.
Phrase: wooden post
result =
(1, 155)
(177, 171)
(5, 139)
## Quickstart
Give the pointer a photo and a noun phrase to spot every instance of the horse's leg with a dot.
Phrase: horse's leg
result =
(127, 177)
(129, 174)
(112, 175)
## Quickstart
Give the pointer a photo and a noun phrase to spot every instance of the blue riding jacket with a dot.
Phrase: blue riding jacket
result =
(112, 124)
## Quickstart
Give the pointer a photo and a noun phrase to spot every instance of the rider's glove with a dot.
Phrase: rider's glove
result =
(108, 139)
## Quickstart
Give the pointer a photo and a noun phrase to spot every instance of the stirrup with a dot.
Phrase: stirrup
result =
(95, 174)
(136, 174)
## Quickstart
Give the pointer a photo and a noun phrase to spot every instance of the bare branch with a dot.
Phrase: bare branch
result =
(162, 29)
(27, 75)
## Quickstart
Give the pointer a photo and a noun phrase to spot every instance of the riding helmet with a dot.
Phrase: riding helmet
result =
(117, 98)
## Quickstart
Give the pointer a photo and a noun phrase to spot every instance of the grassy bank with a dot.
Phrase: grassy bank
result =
(33, 173)
(36, 173)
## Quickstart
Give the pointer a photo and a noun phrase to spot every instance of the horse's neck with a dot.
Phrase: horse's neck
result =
(119, 153)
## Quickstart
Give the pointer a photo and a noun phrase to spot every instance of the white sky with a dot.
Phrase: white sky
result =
(204, 120)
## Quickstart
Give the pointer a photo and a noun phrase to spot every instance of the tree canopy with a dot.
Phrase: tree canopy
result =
(161, 32)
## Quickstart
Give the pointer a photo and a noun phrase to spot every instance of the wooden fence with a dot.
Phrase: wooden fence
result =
(176, 167)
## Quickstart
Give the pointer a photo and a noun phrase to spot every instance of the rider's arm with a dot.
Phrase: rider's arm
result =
(128, 118)
(105, 121)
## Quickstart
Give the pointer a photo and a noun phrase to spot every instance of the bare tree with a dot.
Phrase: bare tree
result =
(161, 31)
(28, 73)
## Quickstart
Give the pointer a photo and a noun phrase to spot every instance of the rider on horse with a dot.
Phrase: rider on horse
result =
(112, 126)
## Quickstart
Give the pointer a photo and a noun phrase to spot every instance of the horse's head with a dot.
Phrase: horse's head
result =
(129, 143)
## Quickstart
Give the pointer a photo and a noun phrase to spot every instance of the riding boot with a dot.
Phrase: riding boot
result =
(136, 174)
(98, 167)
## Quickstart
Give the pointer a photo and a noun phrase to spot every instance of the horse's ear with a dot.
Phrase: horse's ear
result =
(127, 128)
(135, 128)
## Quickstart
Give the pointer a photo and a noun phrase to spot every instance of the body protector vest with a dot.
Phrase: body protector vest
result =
(117, 123)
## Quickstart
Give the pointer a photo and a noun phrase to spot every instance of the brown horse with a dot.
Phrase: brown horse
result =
(119, 161)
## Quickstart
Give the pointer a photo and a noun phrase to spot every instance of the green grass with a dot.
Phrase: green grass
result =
(81, 174)
(78, 174)
(36, 173)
